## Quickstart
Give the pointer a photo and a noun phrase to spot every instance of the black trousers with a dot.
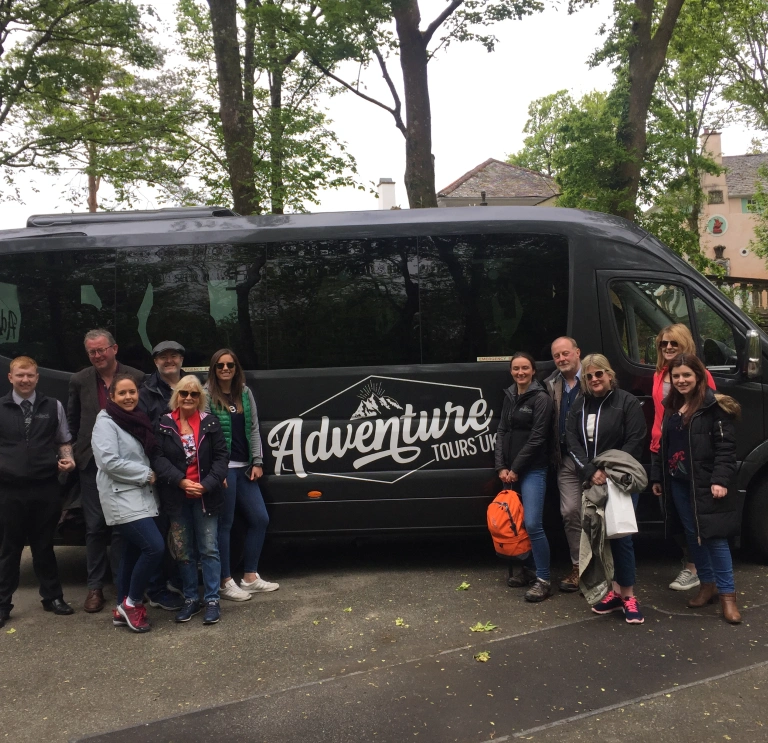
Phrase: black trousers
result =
(29, 511)
(98, 535)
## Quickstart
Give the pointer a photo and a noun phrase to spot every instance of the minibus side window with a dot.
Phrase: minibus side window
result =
(489, 295)
(641, 309)
(343, 302)
(720, 345)
(203, 296)
(49, 300)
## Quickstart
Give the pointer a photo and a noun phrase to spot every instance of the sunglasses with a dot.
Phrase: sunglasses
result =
(194, 394)
(227, 364)
(671, 344)
(596, 375)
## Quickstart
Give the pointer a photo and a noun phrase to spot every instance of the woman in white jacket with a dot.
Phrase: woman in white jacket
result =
(123, 443)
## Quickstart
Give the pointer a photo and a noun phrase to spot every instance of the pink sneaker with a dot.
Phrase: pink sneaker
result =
(135, 617)
(612, 602)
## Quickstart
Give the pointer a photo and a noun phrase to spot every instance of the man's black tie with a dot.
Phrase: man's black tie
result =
(26, 407)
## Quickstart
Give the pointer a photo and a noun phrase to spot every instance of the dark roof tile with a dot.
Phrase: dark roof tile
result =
(501, 180)
(741, 173)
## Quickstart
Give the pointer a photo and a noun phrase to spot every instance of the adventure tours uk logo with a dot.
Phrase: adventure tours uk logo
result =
(382, 429)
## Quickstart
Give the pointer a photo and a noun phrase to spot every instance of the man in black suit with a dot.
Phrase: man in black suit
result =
(34, 448)
(88, 394)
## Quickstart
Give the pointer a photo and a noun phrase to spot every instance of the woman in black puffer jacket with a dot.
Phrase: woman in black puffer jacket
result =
(522, 459)
(694, 469)
(607, 417)
(191, 471)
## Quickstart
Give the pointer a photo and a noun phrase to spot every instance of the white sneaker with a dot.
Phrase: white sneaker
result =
(685, 580)
(259, 585)
(233, 593)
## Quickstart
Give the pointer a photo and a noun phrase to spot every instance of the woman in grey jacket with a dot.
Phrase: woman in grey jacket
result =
(122, 443)
(233, 403)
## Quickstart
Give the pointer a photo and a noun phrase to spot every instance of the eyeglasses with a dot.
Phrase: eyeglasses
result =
(597, 375)
(194, 394)
(227, 364)
(671, 344)
(99, 351)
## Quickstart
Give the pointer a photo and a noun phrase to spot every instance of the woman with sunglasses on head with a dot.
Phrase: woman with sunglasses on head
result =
(191, 472)
(607, 417)
(233, 403)
(123, 447)
(522, 460)
(672, 340)
(695, 464)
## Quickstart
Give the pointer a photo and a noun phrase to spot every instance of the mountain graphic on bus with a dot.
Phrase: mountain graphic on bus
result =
(373, 400)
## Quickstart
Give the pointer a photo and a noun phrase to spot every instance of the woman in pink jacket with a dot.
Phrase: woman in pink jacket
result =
(671, 341)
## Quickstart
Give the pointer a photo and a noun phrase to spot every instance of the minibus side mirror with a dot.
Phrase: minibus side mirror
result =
(752, 366)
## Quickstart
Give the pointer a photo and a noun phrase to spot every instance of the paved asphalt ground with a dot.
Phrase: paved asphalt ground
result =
(372, 642)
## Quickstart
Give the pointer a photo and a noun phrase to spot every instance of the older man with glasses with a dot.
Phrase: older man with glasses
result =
(88, 394)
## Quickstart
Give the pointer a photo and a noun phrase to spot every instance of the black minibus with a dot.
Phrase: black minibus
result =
(377, 343)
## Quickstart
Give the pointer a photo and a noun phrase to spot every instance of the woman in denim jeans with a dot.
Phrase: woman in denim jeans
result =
(694, 469)
(233, 403)
(123, 444)
(522, 459)
(607, 417)
(191, 471)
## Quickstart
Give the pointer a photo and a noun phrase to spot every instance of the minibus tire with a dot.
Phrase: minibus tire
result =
(755, 521)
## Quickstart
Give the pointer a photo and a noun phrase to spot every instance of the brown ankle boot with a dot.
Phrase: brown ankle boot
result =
(730, 612)
(706, 595)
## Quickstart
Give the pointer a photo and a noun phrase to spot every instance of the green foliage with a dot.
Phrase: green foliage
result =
(543, 129)
(296, 153)
(90, 110)
(746, 54)
(760, 241)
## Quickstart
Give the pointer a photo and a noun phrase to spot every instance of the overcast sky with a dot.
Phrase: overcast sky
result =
(479, 107)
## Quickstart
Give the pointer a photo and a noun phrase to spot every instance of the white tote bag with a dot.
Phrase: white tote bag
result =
(620, 518)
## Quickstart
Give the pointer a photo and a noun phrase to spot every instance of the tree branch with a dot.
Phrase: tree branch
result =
(430, 30)
(396, 112)
(365, 97)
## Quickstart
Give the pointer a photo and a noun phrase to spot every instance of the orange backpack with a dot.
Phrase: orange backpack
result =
(505, 522)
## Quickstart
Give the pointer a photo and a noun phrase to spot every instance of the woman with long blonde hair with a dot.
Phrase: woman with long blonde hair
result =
(671, 341)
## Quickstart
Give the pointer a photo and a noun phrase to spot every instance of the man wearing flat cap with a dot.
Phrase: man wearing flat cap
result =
(155, 395)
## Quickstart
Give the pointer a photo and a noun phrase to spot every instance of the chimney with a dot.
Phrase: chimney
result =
(386, 188)
(710, 143)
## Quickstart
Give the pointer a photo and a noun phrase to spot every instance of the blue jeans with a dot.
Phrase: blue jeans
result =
(248, 494)
(166, 570)
(533, 487)
(143, 548)
(623, 552)
(712, 557)
(194, 534)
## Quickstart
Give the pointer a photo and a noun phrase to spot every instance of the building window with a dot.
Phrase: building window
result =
(750, 206)
(715, 197)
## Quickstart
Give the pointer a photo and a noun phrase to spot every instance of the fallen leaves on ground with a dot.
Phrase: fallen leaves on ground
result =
(487, 627)
(483, 656)
(463, 586)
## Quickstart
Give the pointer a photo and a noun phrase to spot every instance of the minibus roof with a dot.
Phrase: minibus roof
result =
(271, 227)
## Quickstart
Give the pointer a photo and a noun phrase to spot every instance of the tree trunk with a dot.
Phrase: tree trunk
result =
(234, 109)
(646, 58)
(419, 163)
(276, 146)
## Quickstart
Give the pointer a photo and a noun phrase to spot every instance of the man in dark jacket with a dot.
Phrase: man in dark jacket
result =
(88, 395)
(154, 398)
(155, 395)
(564, 387)
(33, 433)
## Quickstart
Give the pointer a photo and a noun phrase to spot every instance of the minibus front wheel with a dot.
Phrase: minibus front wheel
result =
(755, 521)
